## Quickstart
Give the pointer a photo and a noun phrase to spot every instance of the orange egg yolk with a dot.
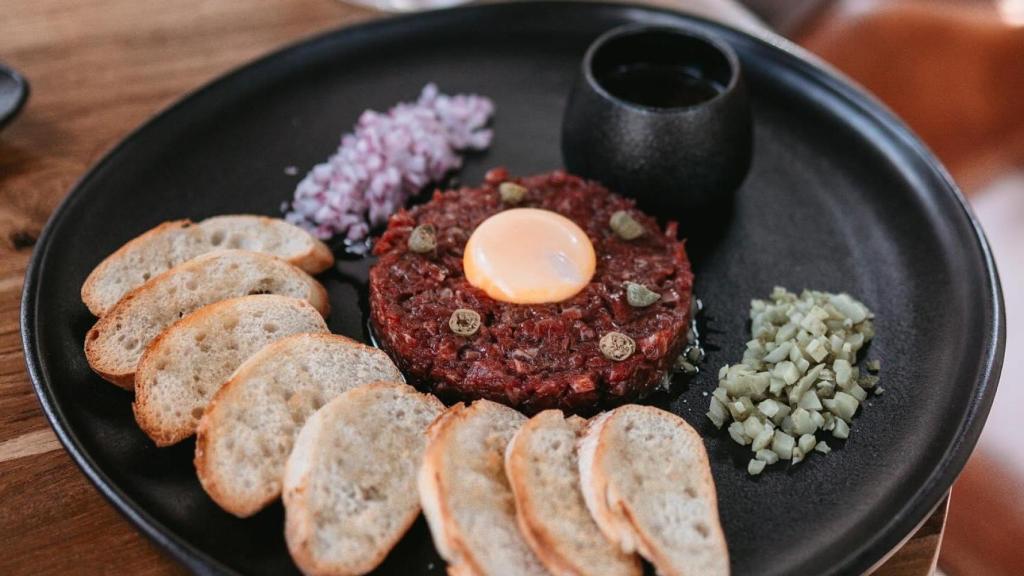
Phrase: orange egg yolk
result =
(529, 256)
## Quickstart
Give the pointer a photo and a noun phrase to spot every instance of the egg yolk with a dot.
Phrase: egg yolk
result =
(529, 256)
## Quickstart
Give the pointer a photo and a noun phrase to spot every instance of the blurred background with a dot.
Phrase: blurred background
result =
(953, 69)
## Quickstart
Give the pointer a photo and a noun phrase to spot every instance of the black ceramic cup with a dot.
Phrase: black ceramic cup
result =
(661, 114)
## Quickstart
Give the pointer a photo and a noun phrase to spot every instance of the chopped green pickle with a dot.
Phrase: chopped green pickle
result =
(798, 378)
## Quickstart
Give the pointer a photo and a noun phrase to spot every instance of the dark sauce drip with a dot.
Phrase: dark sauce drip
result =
(689, 361)
(687, 365)
(371, 334)
(659, 85)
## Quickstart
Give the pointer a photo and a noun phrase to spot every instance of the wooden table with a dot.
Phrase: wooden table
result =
(98, 69)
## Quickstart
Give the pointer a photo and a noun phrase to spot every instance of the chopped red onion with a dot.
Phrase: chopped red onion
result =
(388, 158)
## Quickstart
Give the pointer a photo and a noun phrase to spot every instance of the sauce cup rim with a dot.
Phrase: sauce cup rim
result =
(639, 29)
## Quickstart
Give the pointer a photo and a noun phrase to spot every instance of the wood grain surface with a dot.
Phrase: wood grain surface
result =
(98, 69)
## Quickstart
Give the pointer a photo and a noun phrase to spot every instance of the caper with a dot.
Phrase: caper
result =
(626, 226)
(640, 296)
(616, 346)
(464, 322)
(682, 364)
(694, 354)
(511, 193)
(423, 239)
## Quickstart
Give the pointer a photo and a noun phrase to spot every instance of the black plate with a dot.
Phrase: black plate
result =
(840, 197)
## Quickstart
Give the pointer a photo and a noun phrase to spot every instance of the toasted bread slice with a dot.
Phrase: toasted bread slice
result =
(265, 404)
(186, 364)
(116, 342)
(542, 469)
(350, 481)
(466, 496)
(171, 243)
(647, 483)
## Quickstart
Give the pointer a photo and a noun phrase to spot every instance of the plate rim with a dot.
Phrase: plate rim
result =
(868, 555)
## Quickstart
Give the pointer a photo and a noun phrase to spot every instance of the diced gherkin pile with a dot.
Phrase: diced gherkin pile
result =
(799, 376)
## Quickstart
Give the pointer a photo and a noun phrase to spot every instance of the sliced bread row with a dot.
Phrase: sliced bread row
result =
(543, 471)
(172, 243)
(646, 480)
(349, 476)
(250, 425)
(116, 343)
(507, 496)
(188, 362)
(258, 369)
(466, 496)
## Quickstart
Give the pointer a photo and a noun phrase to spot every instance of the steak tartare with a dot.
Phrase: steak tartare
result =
(531, 356)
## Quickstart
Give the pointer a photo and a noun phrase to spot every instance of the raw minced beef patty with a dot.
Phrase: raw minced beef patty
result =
(534, 356)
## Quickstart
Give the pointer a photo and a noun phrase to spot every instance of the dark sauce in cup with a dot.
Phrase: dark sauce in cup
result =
(659, 85)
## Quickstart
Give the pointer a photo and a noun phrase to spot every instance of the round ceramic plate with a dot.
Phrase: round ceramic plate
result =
(840, 197)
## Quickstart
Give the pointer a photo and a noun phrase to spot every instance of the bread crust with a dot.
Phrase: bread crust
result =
(542, 543)
(436, 495)
(318, 259)
(547, 546)
(88, 291)
(594, 486)
(449, 542)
